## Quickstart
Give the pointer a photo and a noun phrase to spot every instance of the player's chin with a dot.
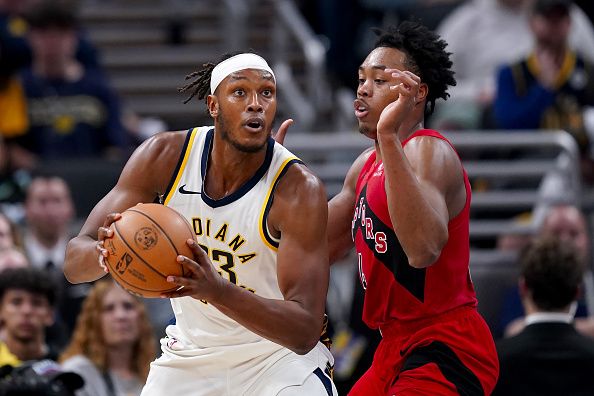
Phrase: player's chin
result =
(368, 130)
(251, 145)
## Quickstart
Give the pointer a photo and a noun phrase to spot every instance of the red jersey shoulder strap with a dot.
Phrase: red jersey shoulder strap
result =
(427, 132)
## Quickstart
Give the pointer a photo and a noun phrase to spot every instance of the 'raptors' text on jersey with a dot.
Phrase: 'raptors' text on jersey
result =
(393, 289)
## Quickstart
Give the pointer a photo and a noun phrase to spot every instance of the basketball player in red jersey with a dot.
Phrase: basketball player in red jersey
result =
(410, 196)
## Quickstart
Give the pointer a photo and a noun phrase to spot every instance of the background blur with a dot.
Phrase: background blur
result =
(134, 54)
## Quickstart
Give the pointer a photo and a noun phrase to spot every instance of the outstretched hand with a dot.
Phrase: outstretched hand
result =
(105, 232)
(201, 280)
(406, 85)
(279, 135)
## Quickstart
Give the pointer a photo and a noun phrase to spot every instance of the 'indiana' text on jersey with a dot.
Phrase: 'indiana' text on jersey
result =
(394, 290)
(235, 251)
(233, 231)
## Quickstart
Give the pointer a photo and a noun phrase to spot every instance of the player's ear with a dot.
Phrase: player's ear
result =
(213, 105)
(422, 94)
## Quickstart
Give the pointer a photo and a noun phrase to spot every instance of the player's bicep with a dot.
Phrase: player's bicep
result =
(439, 172)
(302, 256)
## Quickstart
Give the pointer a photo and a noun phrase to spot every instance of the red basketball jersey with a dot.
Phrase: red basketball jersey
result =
(393, 289)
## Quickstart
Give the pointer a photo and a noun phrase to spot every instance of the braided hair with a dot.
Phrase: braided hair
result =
(200, 86)
(425, 56)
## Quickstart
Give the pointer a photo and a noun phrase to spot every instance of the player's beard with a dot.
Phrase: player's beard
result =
(226, 135)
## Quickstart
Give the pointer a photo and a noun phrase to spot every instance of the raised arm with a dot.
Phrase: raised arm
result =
(144, 177)
(340, 212)
(299, 213)
(424, 182)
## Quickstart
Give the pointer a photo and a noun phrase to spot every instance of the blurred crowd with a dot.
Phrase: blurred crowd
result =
(520, 65)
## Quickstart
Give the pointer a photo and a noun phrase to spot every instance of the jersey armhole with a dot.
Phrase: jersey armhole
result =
(181, 163)
(268, 239)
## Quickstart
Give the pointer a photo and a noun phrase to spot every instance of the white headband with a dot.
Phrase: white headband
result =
(236, 63)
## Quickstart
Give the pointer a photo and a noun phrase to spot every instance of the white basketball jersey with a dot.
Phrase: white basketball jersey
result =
(233, 231)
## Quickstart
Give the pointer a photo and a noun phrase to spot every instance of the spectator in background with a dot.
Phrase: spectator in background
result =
(484, 34)
(72, 111)
(12, 257)
(27, 298)
(49, 213)
(12, 180)
(112, 345)
(9, 236)
(15, 54)
(549, 357)
(568, 224)
(16, 51)
(553, 86)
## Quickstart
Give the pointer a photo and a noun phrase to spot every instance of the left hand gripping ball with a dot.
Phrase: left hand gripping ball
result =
(144, 248)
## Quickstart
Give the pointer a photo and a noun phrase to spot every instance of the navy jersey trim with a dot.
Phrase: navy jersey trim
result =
(325, 380)
(394, 258)
(450, 365)
(247, 186)
(268, 237)
(179, 163)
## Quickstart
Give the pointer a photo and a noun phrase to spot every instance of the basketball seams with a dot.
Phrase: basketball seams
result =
(185, 221)
(161, 229)
(122, 280)
(135, 289)
(134, 252)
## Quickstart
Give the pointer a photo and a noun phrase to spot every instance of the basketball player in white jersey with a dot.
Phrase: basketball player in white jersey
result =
(250, 312)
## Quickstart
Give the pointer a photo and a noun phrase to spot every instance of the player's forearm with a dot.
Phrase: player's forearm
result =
(81, 262)
(287, 323)
(417, 224)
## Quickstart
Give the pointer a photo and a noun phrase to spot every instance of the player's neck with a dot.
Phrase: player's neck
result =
(229, 169)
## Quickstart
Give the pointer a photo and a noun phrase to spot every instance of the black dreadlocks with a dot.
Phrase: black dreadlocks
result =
(201, 85)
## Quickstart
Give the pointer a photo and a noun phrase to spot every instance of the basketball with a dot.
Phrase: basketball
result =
(142, 252)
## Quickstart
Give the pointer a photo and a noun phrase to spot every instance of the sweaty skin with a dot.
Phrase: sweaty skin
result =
(424, 181)
(239, 148)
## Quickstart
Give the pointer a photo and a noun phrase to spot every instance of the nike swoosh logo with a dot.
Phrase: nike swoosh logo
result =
(182, 190)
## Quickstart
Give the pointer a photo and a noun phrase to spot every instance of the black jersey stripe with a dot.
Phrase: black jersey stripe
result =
(394, 259)
(450, 365)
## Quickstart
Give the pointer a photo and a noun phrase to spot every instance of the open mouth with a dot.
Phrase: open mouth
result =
(361, 108)
(254, 124)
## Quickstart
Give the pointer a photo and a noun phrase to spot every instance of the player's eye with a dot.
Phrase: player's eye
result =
(267, 93)
(361, 81)
(239, 92)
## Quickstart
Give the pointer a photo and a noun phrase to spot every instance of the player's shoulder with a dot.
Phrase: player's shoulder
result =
(430, 142)
(299, 182)
(160, 152)
(169, 142)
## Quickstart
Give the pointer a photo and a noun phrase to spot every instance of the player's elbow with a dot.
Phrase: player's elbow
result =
(305, 344)
(423, 260)
(305, 339)
(429, 252)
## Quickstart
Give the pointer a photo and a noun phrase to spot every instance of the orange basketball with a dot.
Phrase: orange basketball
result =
(143, 250)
